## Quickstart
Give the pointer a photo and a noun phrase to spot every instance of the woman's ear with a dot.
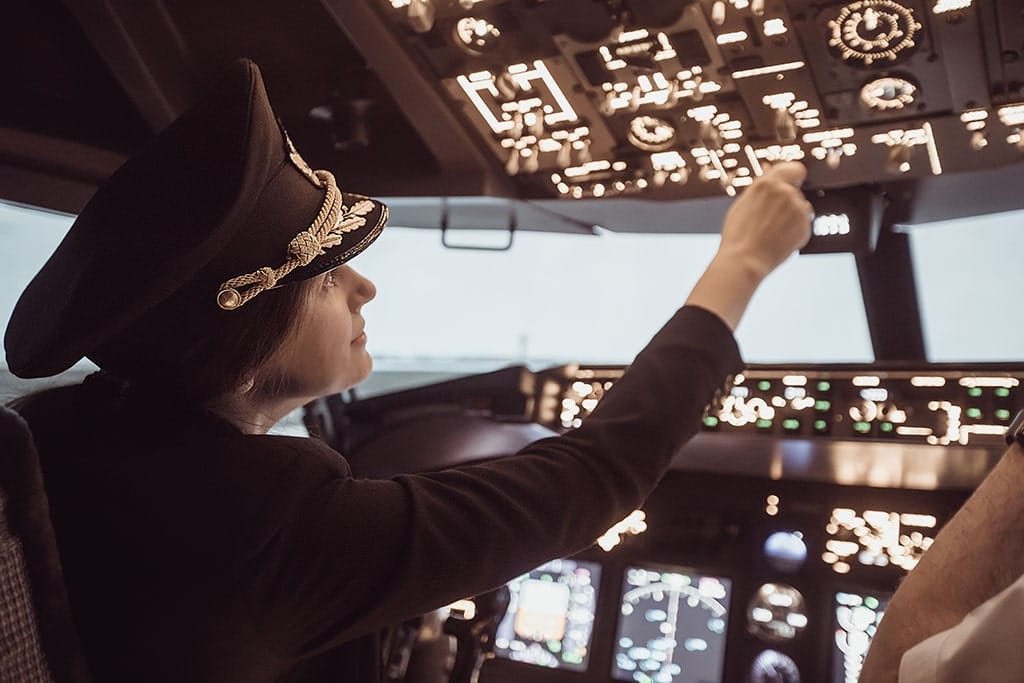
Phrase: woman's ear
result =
(246, 386)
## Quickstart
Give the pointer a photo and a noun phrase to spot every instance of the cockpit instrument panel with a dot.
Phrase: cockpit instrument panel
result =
(672, 626)
(926, 406)
(748, 587)
(550, 616)
(857, 616)
(690, 98)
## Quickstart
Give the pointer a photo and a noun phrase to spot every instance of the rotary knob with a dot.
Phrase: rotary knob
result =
(873, 30)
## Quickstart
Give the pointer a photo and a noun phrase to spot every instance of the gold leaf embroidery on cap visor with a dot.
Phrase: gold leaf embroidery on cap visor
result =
(327, 231)
(300, 163)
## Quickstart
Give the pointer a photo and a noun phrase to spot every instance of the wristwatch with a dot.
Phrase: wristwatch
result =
(1015, 432)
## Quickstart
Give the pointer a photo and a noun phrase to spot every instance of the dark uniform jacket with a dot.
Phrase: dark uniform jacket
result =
(193, 552)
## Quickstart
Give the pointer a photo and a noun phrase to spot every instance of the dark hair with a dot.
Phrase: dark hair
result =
(163, 352)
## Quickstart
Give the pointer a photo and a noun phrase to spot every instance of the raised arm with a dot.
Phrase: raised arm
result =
(763, 227)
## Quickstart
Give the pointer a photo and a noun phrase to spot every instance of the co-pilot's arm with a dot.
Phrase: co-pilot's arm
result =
(977, 554)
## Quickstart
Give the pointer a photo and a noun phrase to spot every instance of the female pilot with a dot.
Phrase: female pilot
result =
(208, 278)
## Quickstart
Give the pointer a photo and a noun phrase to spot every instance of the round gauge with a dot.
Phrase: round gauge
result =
(871, 30)
(777, 613)
(670, 620)
(771, 666)
(476, 36)
(785, 551)
(650, 133)
(888, 94)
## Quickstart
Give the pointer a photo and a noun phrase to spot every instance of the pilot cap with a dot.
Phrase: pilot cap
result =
(217, 210)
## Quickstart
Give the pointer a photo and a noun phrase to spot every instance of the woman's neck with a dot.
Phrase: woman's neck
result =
(251, 413)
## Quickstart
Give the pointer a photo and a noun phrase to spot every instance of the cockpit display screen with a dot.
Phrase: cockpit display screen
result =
(672, 626)
(857, 616)
(550, 615)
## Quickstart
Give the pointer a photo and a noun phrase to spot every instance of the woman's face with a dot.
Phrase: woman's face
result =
(326, 352)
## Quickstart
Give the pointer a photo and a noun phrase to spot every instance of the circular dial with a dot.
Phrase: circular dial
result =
(873, 30)
(476, 36)
(777, 613)
(771, 666)
(888, 94)
(785, 551)
(650, 133)
(671, 622)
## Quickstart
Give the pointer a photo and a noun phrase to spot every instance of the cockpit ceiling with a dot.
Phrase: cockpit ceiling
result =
(576, 99)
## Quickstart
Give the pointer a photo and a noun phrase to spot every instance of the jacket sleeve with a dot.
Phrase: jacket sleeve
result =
(345, 556)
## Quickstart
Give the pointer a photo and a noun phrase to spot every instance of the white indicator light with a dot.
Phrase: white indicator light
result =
(831, 224)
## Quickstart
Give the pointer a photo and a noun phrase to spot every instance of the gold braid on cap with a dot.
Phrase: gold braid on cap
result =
(327, 230)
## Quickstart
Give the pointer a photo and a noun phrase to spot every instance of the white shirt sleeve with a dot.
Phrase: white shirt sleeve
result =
(986, 647)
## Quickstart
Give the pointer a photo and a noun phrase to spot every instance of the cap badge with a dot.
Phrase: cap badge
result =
(298, 162)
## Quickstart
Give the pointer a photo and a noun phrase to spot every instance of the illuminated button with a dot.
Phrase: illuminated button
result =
(1002, 414)
(862, 427)
(820, 425)
(763, 423)
(822, 405)
(824, 386)
(974, 392)
(886, 427)
(791, 424)
(1002, 392)
(711, 422)
(764, 385)
(974, 413)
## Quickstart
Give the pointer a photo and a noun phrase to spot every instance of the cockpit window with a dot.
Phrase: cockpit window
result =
(969, 274)
(552, 298)
(28, 236)
(556, 298)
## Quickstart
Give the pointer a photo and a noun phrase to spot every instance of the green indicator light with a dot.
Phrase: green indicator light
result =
(1002, 392)
(974, 413)
(548, 578)
(556, 646)
(764, 385)
(710, 421)
(870, 602)
(762, 423)
(862, 427)
(822, 405)
(974, 392)
(824, 386)
(820, 425)
(1002, 414)
(791, 423)
(885, 426)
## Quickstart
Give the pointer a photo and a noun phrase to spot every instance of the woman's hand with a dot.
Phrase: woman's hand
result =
(769, 221)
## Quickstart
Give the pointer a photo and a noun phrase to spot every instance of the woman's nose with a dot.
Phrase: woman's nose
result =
(364, 287)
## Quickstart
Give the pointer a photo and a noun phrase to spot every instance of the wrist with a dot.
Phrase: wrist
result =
(743, 264)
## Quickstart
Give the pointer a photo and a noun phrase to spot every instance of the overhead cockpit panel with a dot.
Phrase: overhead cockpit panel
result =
(669, 100)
